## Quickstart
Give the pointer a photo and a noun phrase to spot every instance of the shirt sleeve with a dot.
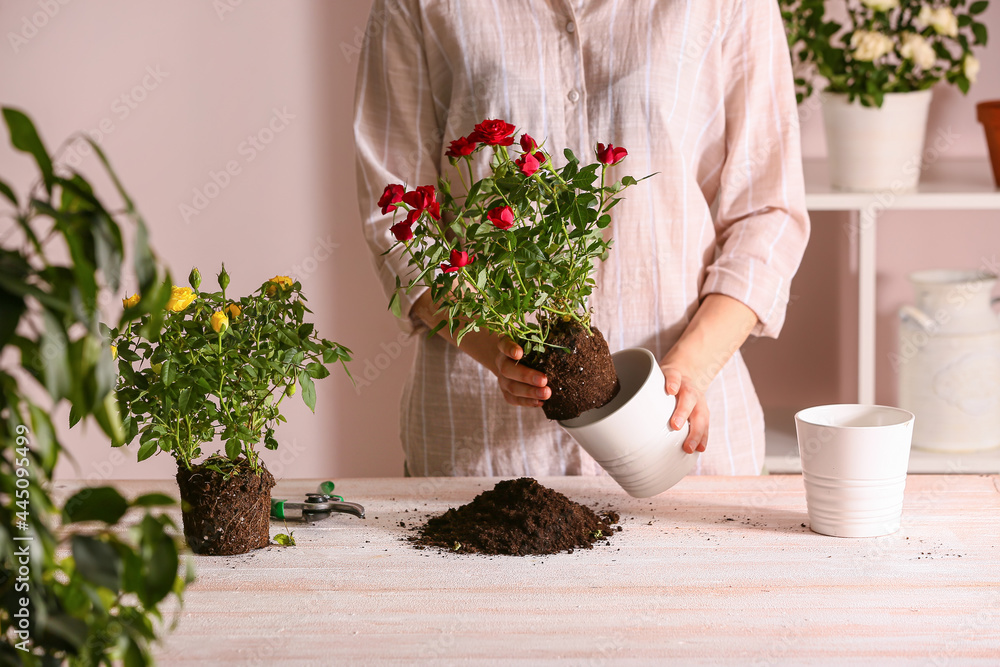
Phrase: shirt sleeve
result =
(762, 224)
(396, 132)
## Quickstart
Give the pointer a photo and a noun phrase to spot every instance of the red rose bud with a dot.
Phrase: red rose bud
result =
(461, 147)
(527, 143)
(402, 231)
(434, 210)
(459, 258)
(527, 163)
(494, 133)
(502, 217)
(610, 154)
(420, 199)
(392, 195)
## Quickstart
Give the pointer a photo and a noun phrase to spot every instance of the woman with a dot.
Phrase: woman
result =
(699, 92)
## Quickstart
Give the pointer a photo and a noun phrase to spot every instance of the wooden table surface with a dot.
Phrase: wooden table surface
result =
(714, 571)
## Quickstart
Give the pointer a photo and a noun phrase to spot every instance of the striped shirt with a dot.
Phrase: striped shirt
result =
(698, 91)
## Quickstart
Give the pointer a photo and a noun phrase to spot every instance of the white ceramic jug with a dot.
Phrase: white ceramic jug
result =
(949, 361)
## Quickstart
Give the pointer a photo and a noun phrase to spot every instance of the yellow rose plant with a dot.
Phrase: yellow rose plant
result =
(220, 369)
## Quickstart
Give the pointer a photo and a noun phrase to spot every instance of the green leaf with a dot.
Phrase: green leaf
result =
(160, 561)
(285, 540)
(153, 500)
(8, 193)
(24, 137)
(978, 7)
(233, 448)
(99, 503)
(980, 32)
(395, 306)
(168, 372)
(97, 561)
(308, 390)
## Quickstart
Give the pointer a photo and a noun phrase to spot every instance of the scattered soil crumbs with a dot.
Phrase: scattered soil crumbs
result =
(518, 518)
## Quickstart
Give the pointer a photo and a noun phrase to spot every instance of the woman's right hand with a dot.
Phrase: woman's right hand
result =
(521, 386)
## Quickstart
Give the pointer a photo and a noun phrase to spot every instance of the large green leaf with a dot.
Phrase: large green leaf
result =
(97, 561)
(308, 390)
(24, 137)
(99, 503)
(159, 554)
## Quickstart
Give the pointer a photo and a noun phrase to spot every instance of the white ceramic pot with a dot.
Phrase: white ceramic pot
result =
(630, 437)
(949, 361)
(873, 149)
(854, 460)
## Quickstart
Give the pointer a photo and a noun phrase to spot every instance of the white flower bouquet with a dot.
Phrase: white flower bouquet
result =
(885, 46)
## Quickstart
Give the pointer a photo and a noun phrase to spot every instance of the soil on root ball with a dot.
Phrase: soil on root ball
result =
(581, 373)
(519, 518)
(224, 517)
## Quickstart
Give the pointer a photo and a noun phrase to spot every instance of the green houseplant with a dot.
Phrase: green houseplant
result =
(877, 69)
(513, 253)
(104, 602)
(220, 369)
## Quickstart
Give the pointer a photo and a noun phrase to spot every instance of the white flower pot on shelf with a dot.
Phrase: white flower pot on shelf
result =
(630, 437)
(873, 149)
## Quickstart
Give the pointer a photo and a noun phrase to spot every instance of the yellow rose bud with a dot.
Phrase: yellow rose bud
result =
(114, 351)
(130, 301)
(233, 311)
(220, 323)
(180, 298)
(278, 281)
(156, 368)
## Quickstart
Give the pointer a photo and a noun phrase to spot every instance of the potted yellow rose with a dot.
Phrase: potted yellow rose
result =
(220, 369)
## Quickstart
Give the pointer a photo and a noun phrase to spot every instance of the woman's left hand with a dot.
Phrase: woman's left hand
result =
(691, 407)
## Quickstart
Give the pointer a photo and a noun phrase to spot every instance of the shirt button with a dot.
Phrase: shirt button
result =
(573, 96)
(570, 27)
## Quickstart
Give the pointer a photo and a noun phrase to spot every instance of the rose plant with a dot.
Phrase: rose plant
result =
(885, 46)
(513, 253)
(220, 369)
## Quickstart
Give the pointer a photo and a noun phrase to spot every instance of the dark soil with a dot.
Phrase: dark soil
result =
(223, 517)
(518, 518)
(582, 376)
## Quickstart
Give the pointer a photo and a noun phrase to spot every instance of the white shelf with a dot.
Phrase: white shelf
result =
(945, 185)
(957, 184)
(782, 452)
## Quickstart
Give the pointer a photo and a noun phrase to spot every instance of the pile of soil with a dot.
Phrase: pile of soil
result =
(224, 517)
(582, 376)
(519, 518)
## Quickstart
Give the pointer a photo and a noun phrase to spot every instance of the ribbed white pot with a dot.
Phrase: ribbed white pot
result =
(630, 437)
(873, 149)
(854, 460)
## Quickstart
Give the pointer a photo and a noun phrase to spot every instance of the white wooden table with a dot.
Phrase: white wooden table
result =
(715, 571)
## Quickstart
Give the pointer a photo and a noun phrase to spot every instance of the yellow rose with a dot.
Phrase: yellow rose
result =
(233, 311)
(275, 282)
(180, 298)
(220, 323)
(114, 351)
(130, 301)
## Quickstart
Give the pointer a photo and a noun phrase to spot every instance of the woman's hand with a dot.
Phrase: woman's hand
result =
(520, 385)
(691, 407)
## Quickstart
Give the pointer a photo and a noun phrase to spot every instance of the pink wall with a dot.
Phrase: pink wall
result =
(291, 207)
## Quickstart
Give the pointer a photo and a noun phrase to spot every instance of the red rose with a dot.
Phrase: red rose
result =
(402, 231)
(540, 156)
(421, 198)
(610, 154)
(393, 195)
(502, 217)
(494, 133)
(461, 147)
(459, 258)
(412, 217)
(527, 143)
(527, 163)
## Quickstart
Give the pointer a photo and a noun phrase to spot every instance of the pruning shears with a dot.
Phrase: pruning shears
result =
(317, 505)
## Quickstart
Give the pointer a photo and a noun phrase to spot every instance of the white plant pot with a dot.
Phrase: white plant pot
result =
(854, 460)
(630, 437)
(876, 149)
